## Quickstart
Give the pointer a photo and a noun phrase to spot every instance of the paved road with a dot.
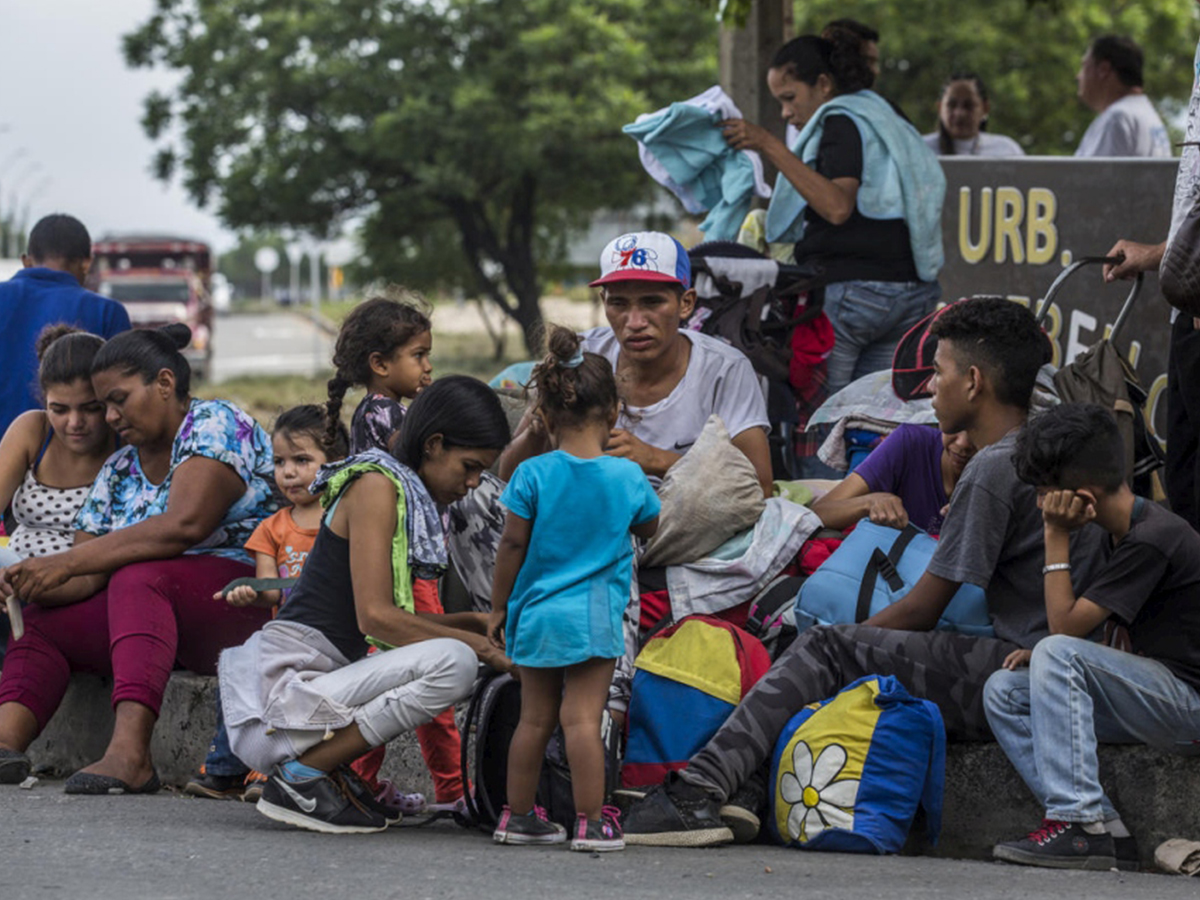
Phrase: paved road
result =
(114, 848)
(275, 344)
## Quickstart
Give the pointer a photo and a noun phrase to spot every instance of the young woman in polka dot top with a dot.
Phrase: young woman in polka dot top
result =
(49, 458)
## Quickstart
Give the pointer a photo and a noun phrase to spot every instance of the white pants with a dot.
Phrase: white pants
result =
(395, 691)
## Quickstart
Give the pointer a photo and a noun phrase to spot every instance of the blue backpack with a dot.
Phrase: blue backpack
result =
(848, 773)
(873, 568)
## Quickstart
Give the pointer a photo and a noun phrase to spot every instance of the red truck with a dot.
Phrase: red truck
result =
(160, 279)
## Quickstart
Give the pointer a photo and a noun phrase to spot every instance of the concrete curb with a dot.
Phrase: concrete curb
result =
(79, 733)
(1158, 794)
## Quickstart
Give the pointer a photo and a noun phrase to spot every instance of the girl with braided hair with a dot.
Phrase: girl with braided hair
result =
(561, 587)
(384, 346)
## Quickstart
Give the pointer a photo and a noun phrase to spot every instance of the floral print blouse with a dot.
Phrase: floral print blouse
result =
(122, 495)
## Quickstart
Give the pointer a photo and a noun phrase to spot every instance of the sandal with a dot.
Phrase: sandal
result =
(96, 785)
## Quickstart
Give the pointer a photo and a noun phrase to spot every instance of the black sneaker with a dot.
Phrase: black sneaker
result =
(14, 766)
(1126, 853)
(532, 827)
(1060, 845)
(361, 791)
(741, 812)
(600, 836)
(317, 804)
(676, 814)
(215, 787)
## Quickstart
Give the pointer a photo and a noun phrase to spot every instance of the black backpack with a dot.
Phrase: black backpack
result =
(492, 717)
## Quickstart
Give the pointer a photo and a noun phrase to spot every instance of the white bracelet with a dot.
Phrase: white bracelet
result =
(1056, 567)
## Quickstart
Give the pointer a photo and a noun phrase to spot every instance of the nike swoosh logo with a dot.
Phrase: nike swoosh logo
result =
(308, 805)
(682, 447)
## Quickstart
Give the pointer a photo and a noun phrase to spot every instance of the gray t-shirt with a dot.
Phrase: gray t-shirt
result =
(992, 537)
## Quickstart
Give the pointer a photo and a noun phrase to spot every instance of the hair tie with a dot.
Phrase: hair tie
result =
(574, 362)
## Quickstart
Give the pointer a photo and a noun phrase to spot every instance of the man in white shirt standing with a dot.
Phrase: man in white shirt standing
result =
(1110, 82)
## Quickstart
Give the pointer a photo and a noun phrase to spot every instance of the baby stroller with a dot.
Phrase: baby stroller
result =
(755, 304)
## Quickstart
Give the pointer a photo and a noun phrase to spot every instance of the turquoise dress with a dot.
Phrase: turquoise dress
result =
(566, 605)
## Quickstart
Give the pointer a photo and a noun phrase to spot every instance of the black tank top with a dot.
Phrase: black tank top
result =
(323, 598)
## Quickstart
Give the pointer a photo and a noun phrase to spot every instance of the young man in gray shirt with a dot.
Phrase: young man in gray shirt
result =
(988, 355)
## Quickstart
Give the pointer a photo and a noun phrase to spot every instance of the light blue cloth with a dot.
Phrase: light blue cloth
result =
(690, 146)
(902, 179)
(573, 587)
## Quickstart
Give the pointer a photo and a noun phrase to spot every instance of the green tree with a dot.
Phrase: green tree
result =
(496, 121)
(1027, 51)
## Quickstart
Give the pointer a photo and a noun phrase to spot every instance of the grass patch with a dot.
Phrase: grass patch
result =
(266, 396)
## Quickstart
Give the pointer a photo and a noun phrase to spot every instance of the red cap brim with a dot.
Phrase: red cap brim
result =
(635, 275)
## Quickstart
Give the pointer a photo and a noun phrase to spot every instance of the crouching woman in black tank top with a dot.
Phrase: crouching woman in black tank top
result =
(301, 698)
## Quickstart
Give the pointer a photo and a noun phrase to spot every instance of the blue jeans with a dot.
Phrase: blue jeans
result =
(869, 318)
(1050, 717)
(220, 759)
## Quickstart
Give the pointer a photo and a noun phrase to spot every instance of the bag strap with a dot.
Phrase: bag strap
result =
(485, 684)
(773, 598)
(905, 538)
(882, 564)
(877, 565)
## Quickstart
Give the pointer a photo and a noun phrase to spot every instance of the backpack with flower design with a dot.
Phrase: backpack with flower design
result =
(848, 773)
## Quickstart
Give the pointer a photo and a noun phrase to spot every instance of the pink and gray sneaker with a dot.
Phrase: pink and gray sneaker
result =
(599, 836)
(531, 828)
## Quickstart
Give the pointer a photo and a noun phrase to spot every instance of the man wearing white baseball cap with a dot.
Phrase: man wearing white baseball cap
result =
(670, 380)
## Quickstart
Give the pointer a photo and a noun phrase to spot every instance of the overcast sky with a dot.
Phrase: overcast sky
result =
(69, 102)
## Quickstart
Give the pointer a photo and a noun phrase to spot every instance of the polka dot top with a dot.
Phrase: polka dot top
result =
(45, 517)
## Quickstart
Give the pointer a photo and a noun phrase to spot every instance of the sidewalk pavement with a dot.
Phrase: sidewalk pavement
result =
(168, 846)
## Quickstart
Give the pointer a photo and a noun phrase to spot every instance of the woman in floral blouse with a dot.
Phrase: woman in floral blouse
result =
(160, 533)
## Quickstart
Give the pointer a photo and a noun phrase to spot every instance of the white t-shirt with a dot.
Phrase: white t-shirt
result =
(719, 379)
(1129, 127)
(983, 144)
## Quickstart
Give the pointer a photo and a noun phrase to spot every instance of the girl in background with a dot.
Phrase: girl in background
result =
(963, 111)
(384, 346)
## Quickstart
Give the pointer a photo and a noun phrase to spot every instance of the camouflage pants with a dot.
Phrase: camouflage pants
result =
(949, 669)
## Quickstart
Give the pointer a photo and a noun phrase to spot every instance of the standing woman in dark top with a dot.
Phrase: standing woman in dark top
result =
(302, 698)
(859, 193)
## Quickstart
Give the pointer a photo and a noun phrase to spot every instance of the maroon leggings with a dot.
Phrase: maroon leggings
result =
(151, 616)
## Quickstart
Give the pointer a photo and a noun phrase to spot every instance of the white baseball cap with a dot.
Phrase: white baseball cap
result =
(645, 256)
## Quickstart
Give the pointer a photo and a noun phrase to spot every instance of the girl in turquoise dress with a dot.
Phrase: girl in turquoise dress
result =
(563, 572)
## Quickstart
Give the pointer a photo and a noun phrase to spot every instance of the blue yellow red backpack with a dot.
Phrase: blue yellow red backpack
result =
(848, 773)
(687, 679)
